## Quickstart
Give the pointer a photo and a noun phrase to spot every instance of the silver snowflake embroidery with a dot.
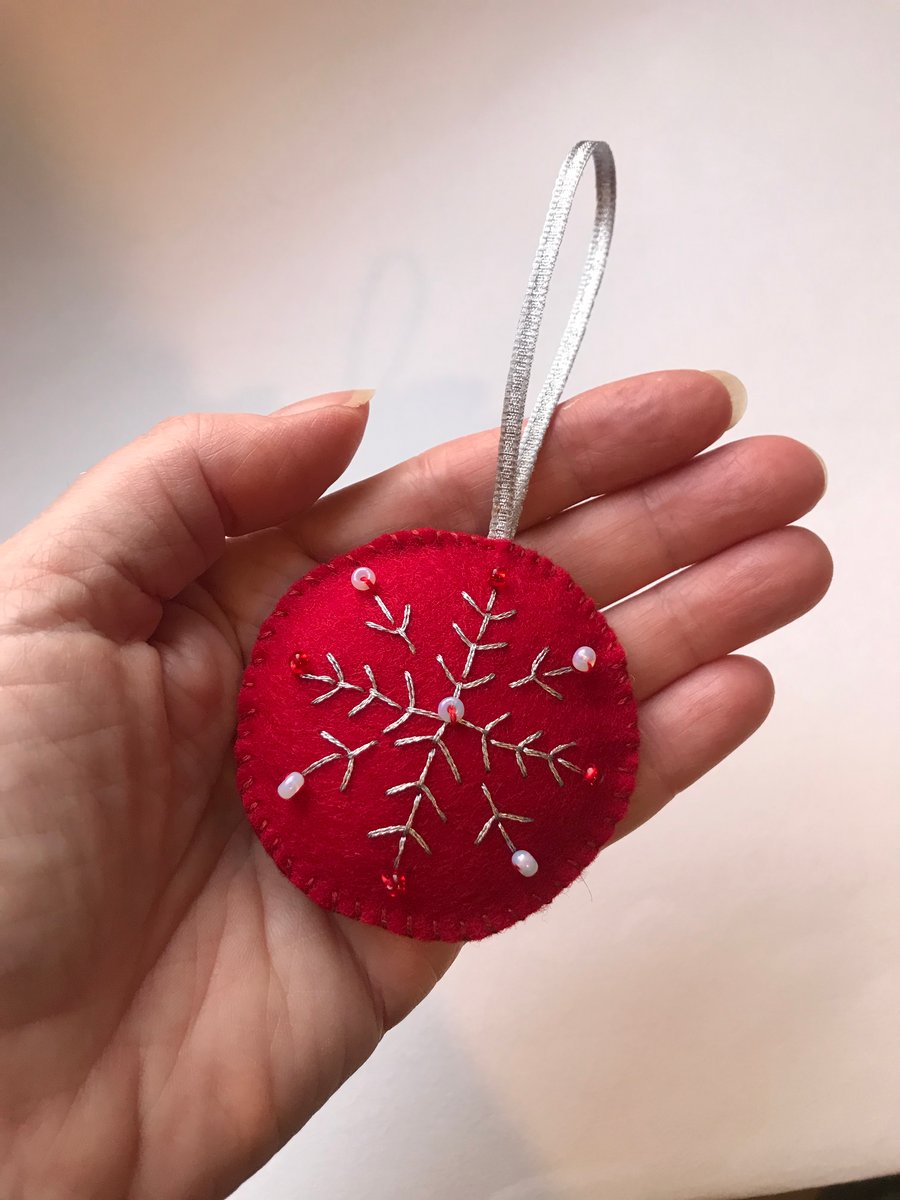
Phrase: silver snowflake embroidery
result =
(420, 788)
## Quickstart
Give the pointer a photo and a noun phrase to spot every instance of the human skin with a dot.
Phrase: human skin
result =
(171, 1009)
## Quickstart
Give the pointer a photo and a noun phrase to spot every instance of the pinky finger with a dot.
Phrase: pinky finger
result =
(691, 725)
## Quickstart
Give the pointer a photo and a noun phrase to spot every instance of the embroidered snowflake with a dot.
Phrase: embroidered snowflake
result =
(480, 638)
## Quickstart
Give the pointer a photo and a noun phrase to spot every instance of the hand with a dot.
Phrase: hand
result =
(171, 1008)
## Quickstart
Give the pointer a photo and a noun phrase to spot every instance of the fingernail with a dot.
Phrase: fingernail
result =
(358, 398)
(824, 467)
(737, 393)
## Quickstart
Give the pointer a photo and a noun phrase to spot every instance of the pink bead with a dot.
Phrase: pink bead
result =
(290, 785)
(363, 579)
(584, 658)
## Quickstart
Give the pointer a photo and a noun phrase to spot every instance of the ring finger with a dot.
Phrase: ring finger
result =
(719, 606)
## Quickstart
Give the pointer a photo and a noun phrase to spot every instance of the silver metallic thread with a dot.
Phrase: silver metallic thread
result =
(519, 449)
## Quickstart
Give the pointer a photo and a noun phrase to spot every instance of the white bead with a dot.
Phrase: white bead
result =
(363, 579)
(584, 658)
(290, 785)
(451, 709)
(525, 863)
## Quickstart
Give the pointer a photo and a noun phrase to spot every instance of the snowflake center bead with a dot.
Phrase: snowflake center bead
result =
(451, 709)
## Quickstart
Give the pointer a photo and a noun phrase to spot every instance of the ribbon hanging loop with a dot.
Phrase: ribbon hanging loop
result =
(519, 448)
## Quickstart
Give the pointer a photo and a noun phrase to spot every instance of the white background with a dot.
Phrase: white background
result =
(234, 204)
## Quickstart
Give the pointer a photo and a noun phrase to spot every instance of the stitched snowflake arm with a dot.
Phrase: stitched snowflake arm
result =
(496, 819)
(338, 683)
(393, 627)
(536, 675)
(341, 752)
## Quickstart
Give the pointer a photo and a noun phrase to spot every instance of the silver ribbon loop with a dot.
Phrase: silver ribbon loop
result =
(519, 449)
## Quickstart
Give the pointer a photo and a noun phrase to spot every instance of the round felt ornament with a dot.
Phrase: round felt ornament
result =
(437, 731)
(437, 734)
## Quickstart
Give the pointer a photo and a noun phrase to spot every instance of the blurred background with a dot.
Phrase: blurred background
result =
(233, 204)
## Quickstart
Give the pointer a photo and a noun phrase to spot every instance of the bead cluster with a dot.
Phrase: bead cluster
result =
(394, 884)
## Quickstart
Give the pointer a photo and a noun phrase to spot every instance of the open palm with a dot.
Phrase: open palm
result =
(171, 1009)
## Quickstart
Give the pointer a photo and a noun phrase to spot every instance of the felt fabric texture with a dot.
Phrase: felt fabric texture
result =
(452, 888)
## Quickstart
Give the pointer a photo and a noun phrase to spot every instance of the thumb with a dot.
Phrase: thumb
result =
(149, 519)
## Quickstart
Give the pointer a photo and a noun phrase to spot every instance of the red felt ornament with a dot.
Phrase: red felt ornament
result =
(457, 737)
(440, 729)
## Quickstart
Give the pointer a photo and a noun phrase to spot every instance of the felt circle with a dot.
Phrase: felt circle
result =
(412, 815)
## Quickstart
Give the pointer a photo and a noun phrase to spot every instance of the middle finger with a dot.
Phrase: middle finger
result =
(620, 543)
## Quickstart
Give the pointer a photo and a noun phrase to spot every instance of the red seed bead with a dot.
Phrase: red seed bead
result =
(394, 884)
(499, 577)
(591, 774)
(299, 662)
